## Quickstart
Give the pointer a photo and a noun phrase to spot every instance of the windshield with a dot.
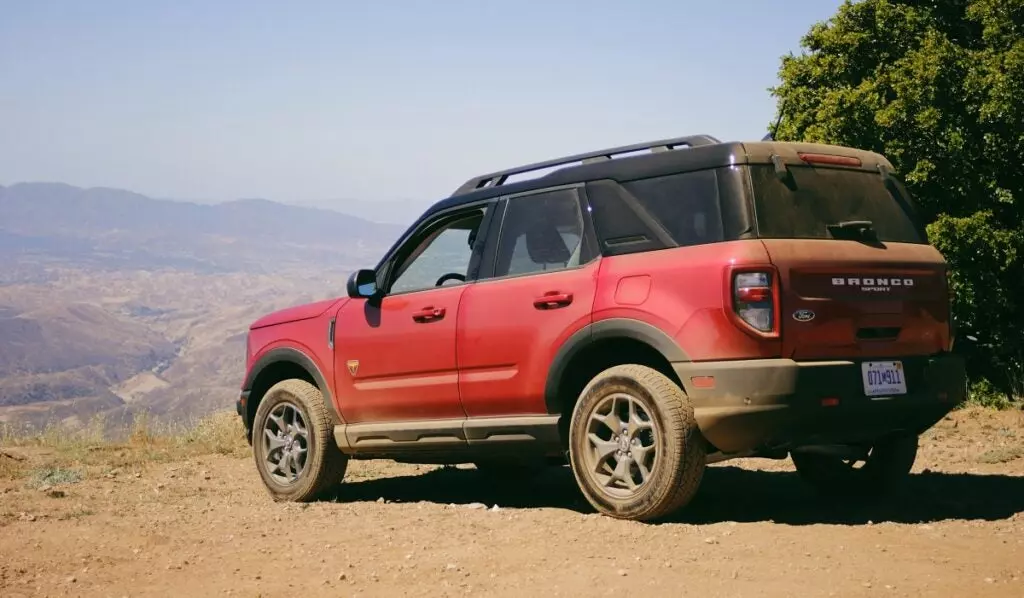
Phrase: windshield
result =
(815, 200)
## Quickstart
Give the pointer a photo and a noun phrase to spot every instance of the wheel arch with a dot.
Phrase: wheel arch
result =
(283, 363)
(601, 345)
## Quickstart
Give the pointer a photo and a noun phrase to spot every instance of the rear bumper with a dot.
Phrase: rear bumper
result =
(773, 404)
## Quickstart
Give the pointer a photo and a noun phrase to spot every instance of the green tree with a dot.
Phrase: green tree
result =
(937, 86)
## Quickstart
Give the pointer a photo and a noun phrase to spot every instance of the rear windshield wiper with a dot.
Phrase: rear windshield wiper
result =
(853, 230)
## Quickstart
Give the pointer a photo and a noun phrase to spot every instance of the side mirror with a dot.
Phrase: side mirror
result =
(362, 284)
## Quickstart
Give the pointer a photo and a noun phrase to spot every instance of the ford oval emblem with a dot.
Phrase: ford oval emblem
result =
(803, 315)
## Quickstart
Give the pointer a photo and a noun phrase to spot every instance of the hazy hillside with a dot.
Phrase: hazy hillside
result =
(115, 303)
(110, 228)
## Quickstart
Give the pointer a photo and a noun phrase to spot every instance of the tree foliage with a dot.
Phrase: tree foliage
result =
(937, 86)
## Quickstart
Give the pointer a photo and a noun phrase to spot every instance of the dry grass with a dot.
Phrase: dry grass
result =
(1003, 454)
(60, 454)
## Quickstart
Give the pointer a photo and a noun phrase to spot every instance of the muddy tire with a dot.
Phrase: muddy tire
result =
(887, 465)
(634, 445)
(293, 444)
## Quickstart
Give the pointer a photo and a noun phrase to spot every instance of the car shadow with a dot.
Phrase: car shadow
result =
(727, 494)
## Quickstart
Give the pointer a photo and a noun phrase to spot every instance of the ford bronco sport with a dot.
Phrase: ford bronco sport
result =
(638, 316)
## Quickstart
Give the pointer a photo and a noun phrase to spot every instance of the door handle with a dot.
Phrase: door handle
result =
(552, 300)
(428, 314)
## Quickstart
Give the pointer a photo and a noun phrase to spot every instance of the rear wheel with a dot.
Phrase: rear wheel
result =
(634, 446)
(292, 443)
(886, 465)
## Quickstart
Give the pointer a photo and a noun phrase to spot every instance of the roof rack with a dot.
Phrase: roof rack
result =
(498, 178)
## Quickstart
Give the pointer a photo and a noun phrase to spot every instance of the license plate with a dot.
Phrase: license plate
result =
(883, 378)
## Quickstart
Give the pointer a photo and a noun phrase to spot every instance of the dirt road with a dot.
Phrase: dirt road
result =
(206, 527)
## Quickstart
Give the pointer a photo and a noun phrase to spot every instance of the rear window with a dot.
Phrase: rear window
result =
(656, 213)
(815, 198)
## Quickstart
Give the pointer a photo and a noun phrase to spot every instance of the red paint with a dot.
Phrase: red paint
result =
(506, 344)
(406, 354)
(294, 314)
(921, 311)
(689, 291)
(486, 348)
(633, 290)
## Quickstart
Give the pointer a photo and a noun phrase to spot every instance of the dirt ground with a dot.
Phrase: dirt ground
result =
(206, 527)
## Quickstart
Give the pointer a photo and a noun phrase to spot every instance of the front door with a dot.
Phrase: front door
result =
(395, 355)
(538, 292)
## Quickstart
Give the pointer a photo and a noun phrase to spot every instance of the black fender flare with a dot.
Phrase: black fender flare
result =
(603, 330)
(297, 357)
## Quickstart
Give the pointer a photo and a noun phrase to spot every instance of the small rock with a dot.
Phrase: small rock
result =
(71, 579)
(137, 475)
(622, 572)
(495, 508)
(55, 493)
(989, 580)
(866, 584)
(205, 474)
(710, 540)
(380, 500)
(476, 505)
(342, 576)
(160, 486)
(45, 488)
(451, 567)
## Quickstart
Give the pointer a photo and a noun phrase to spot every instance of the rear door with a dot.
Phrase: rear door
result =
(848, 291)
(536, 289)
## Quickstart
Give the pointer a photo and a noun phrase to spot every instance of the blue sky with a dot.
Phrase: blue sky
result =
(320, 101)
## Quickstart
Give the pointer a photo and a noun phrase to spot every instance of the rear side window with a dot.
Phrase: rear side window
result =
(814, 198)
(657, 213)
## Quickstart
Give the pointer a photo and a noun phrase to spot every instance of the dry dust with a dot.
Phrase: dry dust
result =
(206, 527)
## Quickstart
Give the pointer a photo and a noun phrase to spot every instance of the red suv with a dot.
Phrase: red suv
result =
(639, 317)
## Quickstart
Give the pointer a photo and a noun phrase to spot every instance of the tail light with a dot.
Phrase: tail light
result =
(754, 299)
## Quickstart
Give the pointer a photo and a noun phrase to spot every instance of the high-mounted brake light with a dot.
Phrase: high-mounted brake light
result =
(754, 299)
(829, 159)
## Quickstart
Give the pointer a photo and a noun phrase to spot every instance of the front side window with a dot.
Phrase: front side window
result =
(440, 256)
(541, 232)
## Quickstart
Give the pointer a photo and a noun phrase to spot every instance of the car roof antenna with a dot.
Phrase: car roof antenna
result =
(775, 130)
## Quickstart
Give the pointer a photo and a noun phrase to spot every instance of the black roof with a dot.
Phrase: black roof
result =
(664, 156)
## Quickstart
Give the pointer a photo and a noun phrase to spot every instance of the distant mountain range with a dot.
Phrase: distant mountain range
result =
(113, 303)
(116, 228)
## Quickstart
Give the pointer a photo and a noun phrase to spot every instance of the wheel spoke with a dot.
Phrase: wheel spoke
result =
(285, 443)
(638, 421)
(622, 441)
(642, 468)
(603, 448)
(609, 420)
(273, 441)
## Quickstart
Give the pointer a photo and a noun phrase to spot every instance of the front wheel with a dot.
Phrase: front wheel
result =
(292, 443)
(886, 465)
(634, 445)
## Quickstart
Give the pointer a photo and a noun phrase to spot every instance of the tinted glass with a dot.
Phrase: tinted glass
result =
(540, 233)
(817, 197)
(440, 252)
(656, 213)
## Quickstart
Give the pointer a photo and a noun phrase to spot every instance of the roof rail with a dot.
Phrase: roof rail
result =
(498, 178)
